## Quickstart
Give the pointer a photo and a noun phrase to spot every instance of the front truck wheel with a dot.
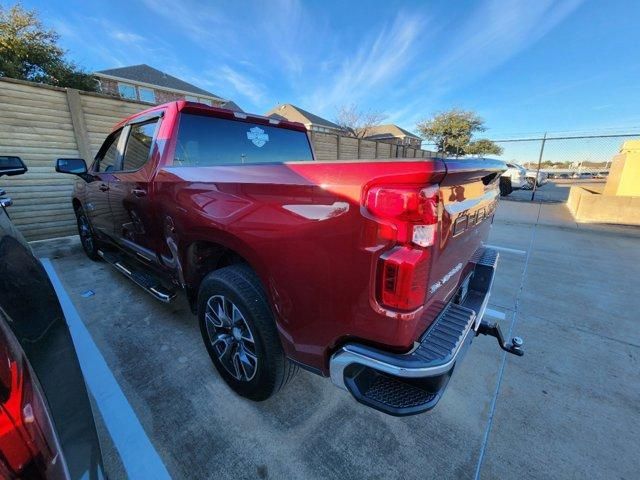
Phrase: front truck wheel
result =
(240, 333)
(87, 237)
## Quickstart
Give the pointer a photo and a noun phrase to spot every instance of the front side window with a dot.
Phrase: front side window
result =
(205, 141)
(108, 156)
(138, 148)
(147, 94)
(127, 90)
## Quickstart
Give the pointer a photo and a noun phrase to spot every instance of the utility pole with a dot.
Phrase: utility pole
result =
(535, 183)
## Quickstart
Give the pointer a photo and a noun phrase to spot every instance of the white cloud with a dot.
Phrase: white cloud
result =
(492, 34)
(379, 61)
(126, 37)
(242, 84)
(497, 31)
(202, 23)
(293, 51)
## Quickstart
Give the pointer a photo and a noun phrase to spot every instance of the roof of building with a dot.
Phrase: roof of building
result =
(296, 114)
(145, 74)
(388, 131)
(231, 105)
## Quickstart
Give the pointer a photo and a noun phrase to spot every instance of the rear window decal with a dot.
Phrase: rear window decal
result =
(257, 136)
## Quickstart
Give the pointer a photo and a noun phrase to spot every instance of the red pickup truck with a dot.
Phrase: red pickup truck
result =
(371, 272)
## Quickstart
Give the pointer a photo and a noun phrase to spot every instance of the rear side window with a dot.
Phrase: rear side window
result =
(205, 141)
(138, 148)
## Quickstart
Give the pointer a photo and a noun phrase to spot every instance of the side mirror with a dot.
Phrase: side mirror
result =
(75, 166)
(12, 166)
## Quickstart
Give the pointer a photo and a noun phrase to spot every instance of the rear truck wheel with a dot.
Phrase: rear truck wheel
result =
(240, 334)
(87, 237)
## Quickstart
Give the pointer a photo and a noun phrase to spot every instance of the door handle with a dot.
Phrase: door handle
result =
(138, 192)
(5, 202)
(104, 187)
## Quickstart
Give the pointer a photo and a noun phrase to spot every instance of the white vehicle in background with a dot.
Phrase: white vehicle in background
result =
(541, 178)
(517, 174)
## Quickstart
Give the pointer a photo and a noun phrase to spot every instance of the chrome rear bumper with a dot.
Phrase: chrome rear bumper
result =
(406, 384)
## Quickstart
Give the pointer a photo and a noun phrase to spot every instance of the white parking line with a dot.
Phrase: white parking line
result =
(138, 455)
(495, 314)
(514, 320)
(507, 249)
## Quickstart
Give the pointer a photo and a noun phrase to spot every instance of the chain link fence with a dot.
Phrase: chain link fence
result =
(563, 159)
(559, 161)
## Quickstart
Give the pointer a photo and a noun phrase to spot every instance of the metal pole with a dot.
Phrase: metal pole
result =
(535, 182)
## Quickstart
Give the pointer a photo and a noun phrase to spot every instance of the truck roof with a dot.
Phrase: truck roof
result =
(201, 108)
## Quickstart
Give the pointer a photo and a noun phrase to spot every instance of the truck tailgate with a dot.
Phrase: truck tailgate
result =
(469, 194)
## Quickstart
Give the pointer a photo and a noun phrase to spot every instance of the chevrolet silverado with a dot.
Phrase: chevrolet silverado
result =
(373, 273)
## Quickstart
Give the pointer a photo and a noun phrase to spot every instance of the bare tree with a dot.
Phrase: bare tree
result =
(358, 123)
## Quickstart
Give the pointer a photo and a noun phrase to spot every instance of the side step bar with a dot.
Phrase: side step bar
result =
(150, 283)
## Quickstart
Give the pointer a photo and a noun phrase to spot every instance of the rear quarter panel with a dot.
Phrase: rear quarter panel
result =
(302, 227)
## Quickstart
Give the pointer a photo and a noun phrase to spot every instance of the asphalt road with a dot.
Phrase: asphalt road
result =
(554, 191)
(567, 409)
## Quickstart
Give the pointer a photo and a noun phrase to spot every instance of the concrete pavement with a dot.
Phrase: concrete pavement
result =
(555, 190)
(567, 409)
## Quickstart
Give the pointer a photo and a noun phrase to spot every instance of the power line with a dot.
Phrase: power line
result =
(567, 138)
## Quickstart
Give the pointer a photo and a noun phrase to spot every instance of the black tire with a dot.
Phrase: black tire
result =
(88, 239)
(505, 186)
(239, 286)
(530, 183)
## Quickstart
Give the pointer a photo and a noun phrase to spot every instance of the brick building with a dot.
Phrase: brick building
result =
(394, 134)
(147, 84)
(310, 120)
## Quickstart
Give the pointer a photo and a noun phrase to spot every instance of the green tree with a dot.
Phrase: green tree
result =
(452, 132)
(482, 146)
(28, 51)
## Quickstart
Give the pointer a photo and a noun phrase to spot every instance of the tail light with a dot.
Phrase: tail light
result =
(410, 221)
(28, 444)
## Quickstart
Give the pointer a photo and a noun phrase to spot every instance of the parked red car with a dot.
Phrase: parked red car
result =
(47, 429)
(371, 272)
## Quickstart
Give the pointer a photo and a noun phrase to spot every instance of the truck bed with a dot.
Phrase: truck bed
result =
(303, 227)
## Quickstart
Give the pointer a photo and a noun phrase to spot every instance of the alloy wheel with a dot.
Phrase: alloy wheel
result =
(231, 338)
(84, 229)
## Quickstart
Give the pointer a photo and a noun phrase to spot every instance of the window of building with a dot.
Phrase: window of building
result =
(147, 94)
(126, 90)
(138, 148)
(205, 141)
(205, 101)
(190, 98)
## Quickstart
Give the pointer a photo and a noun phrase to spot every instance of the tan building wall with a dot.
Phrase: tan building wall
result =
(624, 176)
(41, 123)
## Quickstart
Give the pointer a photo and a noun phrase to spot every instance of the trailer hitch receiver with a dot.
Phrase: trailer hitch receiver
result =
(493, 329)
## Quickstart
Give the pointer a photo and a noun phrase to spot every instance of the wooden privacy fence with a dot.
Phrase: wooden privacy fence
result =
(329, 146)
(40, 123)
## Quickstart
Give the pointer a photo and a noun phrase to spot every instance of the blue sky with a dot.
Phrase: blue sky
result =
(525, 66)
